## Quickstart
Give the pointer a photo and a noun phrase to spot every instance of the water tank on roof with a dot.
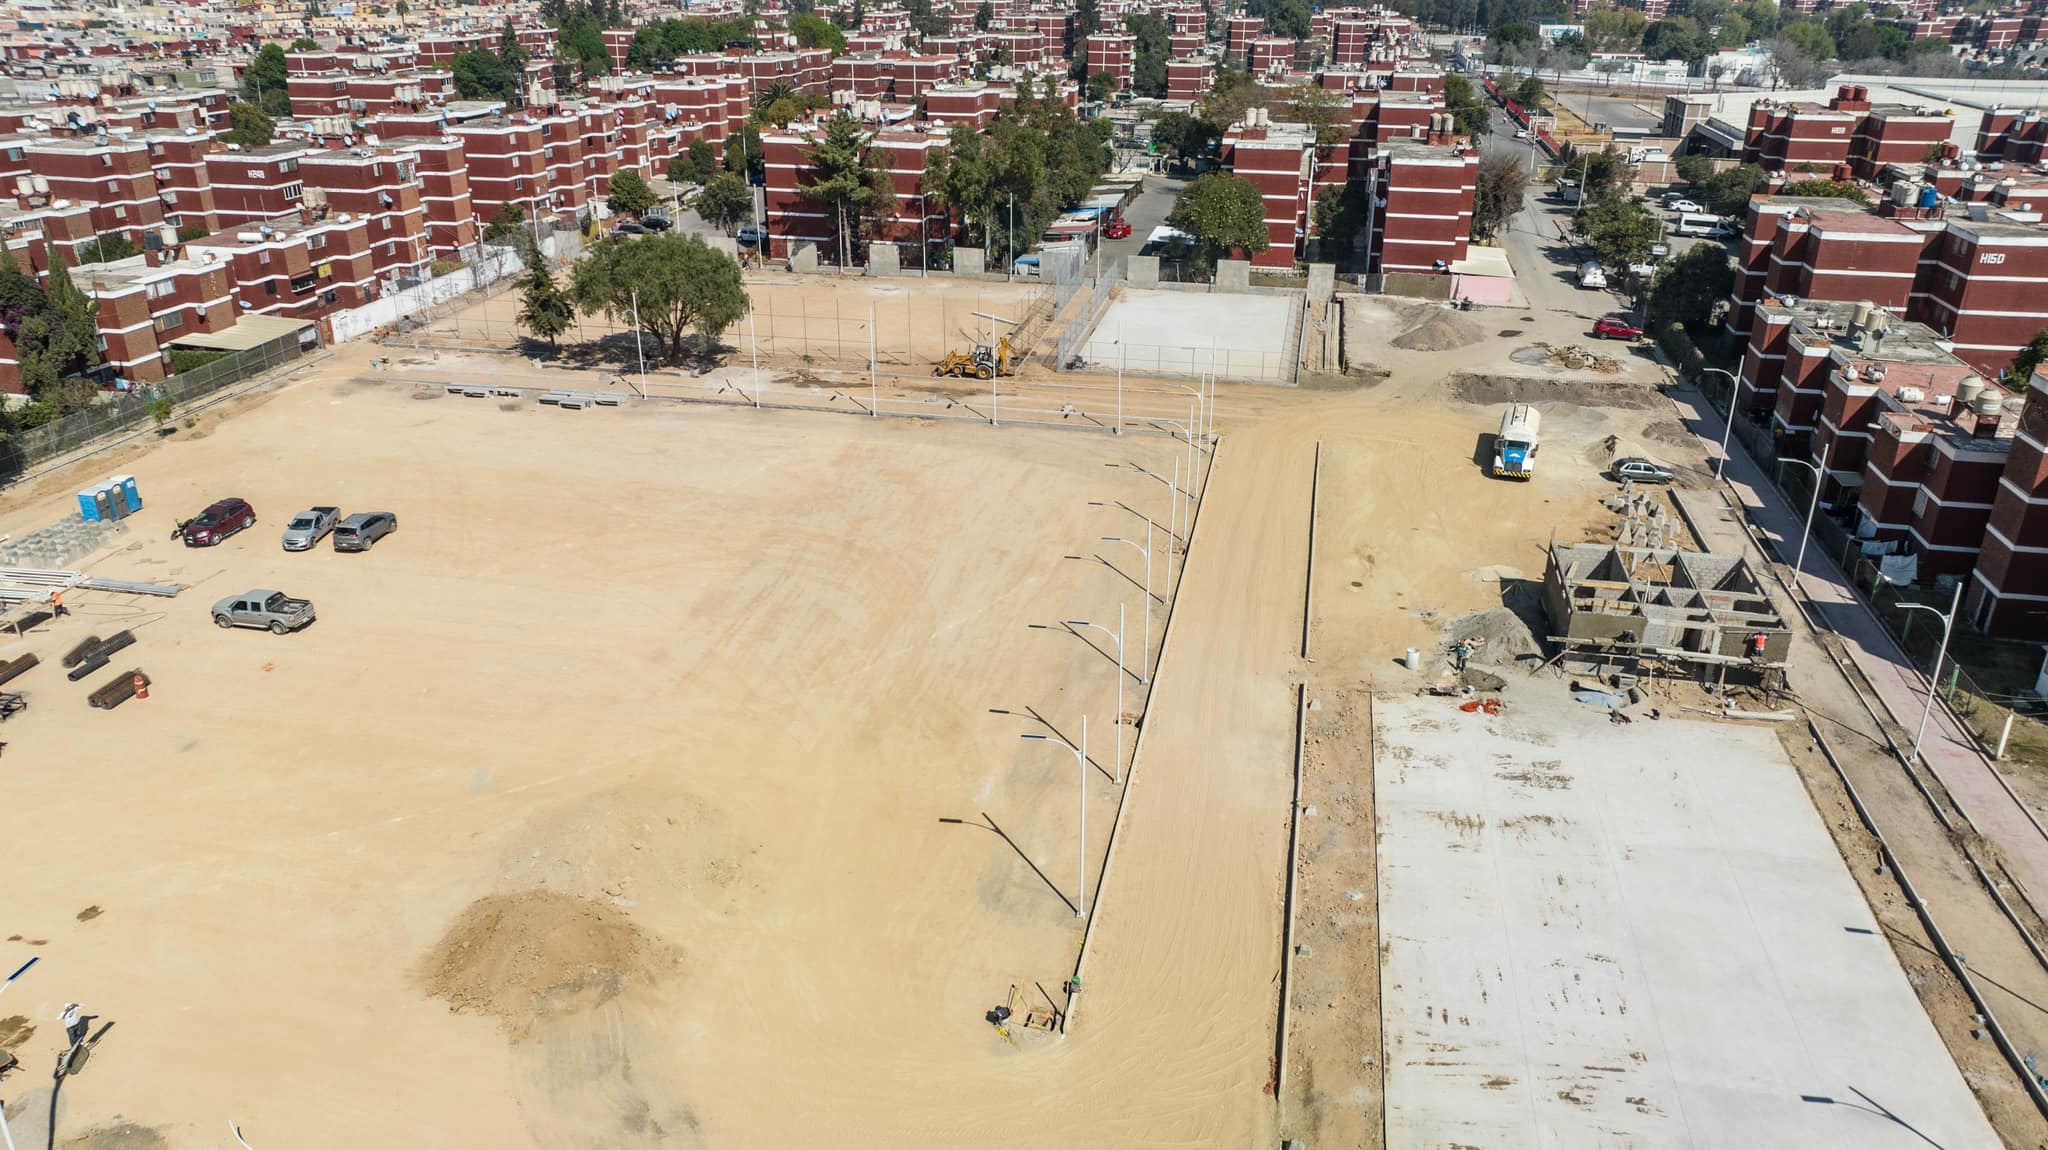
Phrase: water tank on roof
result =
(1988, 405)
(1968, 390)
(1860, 318)
(1911, 395)
(1929, 196)
(1903, 193)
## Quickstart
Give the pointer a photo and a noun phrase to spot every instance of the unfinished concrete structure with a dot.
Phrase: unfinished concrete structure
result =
(1616, 607)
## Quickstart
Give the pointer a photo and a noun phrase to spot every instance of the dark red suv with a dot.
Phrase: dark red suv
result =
(218, 522)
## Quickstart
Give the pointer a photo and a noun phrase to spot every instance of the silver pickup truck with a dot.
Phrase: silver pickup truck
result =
(310, 527)
(270, 609)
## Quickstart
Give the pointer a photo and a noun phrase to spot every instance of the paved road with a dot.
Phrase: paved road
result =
(1146, 212)
(1969, 776)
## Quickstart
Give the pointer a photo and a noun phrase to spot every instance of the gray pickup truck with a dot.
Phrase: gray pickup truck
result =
(270, 609)
(310, 527)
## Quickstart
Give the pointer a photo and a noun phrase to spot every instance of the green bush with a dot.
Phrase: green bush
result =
(186, 359)
(192, 232)
(442, 267)
(1677, 344)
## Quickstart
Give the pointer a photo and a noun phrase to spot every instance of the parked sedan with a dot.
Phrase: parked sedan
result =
(1614, 327)
(1641, 470)
(217, 522)
(1117, 229)
(1684, 206)
(360, 532)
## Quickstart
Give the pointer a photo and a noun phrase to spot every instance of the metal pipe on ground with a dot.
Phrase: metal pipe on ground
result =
(79, 653)
(9, 670)
(118, 690)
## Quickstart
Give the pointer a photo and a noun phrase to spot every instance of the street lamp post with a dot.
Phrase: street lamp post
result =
(1734, 385)
(874, 388)
(1145, 651)
(1172, 504)
(637, 346)
(754, 342)
(6, 1134)
(1116, 767)
(1081, 761)
(1948, 623)
(1819, 478)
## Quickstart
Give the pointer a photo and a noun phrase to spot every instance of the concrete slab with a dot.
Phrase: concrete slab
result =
(968, 261)
(1180, 333)
(884, 260)
(1634, 936)
(1233, 275)
(1142, 271)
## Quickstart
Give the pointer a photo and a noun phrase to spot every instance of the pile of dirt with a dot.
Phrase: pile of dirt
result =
(1440, 331)
(119, 1136)
(1495, 389)
(1577, 358)
(1503, 638)
(1671, 433)
(509, 955)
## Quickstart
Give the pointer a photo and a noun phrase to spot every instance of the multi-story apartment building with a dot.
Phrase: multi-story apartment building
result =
(1112, 54)
(379, 186)
(1428, 186)
(252, 185)
(178, 160)
(443, 172)
(507, 160)
(114, 176)
(2008, 595)
(143, 308)
(300, 271)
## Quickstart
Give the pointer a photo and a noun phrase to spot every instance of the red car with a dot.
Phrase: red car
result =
(218, 522)
(1117, 229)
(1614, 327)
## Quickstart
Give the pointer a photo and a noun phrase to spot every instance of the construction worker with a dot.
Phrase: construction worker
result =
(57, 604)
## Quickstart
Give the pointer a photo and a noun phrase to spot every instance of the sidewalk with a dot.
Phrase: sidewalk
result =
(1970, 777)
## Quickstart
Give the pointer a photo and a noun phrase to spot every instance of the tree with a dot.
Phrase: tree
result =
(1620, 230)
(1323, 110)
(697, 164)
(509, 221)
(106, 248)
(1725, 193)
(629, 195)
(1529, 93)
(725, 201)
(1677, 38)
(403, 9)
(850, 185)
(1691, 289)
(743, 153)
(1087, 19)
(1225, 214)
(1182, 135)
(1339, 217)
(1811, 39)
(2020, 375)
(510, 51)
(59, 341)
(481, 75)
(263, 81)
(1607, 174)
(1510, 35)
(1234, 94)
(1101, 86)
(160, 408)
(545, 309)
(1838, 189)
(1467, 108)
(1694, 167)
(1289, 18)
(248, 126)
(1615, 29)
(305, 44)
(1502, 182)
(677, 282)
(1791, 65)
(813, 32)
(984, 15)
(1151, 46)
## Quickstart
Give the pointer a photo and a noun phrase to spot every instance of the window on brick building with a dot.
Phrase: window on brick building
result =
(170, 321)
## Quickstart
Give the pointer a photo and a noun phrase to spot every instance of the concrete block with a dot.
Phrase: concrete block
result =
(804, 258)
(725, 245)
(884, 260)
(1322, 281)
(969, 261)
(1233, 275)
(1141, 271)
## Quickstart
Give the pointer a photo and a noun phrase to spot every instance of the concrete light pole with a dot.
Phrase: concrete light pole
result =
(1948, 623)
(1145, 652)
(1812, 505)
(1734, 385)
(1081, 761)
(1116, 769)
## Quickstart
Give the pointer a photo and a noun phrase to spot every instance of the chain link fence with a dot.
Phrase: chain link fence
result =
(23, 450)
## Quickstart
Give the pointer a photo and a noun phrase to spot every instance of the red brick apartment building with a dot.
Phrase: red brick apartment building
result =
(115, 178)
(1189, 78)
(792, 217)
(380, 187)
(507, 165)
(142, 309)
(1239, 32)
(1985, 287)
(450, 217)
(178, 160)
(1020, 47)
(1428, 186)
(1270, 55)
(1115, 55)
(251, 185)
(1820, 248)
(2008, 595)
(1280, 159)
(1188, 22)
(303, 271)
(973, 102)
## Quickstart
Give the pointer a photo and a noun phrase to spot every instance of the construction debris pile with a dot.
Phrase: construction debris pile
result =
(1577, 358)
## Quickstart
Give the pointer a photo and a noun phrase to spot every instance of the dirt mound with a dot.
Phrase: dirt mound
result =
(514, 955)
(1671, 433)
(1503, 636)
(1441, 331)
(119, 1136)
(1491, 389)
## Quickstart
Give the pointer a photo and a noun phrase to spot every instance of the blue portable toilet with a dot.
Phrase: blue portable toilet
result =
(117, 498)
(104, 502)
(128, 487)
(88, 507)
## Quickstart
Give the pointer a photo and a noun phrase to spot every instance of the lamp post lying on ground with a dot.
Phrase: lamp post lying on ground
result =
(1081, 760)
